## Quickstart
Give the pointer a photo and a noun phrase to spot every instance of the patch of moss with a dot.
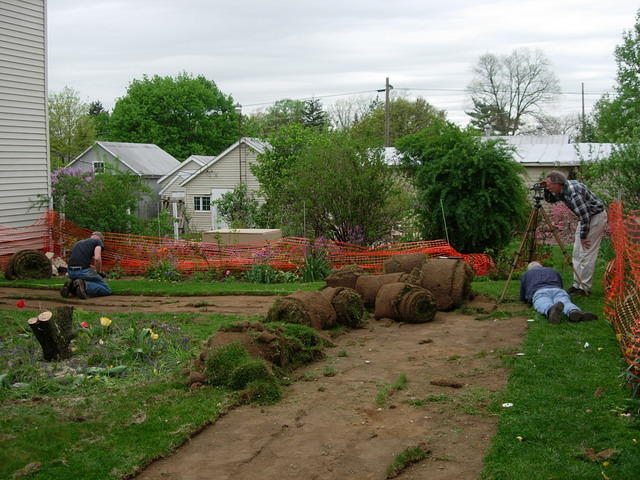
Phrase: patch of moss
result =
(249, 371)
(221, 362)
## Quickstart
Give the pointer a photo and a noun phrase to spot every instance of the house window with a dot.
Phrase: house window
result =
(98, 167)
(202, 204)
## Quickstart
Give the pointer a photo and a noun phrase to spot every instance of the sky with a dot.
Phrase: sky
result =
(259, 52)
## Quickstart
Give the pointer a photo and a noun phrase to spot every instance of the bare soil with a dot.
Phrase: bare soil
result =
(228, 304)
(328, 425)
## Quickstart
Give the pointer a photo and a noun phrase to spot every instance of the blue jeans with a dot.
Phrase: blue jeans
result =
(95, 286)
(544, 298)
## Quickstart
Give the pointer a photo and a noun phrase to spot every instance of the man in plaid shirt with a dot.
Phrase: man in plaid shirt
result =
(593, 222)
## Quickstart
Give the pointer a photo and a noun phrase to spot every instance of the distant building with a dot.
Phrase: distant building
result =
(221, 174)
(24, 152)
(539, 154)
(146, 160)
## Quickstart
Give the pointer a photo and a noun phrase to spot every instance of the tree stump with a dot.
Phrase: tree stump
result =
(54, 332)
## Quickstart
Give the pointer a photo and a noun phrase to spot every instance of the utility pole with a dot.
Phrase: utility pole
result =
(584, 120)
(387, 120)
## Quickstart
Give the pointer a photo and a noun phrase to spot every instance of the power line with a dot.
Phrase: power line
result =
(452, 91)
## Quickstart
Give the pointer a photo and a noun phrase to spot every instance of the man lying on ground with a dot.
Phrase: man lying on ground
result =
(542, 287)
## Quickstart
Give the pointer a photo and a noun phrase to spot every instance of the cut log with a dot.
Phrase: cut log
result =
(54, 332)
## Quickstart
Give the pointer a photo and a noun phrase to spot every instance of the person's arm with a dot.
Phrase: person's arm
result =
(97, 258)
(523, 288)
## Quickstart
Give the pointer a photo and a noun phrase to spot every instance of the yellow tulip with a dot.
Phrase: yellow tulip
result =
(154, 336)
(105, 322)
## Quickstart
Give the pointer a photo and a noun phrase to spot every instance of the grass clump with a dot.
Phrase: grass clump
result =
(221, 362)
(389, 389)
(249, 371)
(405, 459)
(262, 392)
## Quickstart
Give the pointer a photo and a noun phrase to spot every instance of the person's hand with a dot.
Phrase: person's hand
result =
(585, 243)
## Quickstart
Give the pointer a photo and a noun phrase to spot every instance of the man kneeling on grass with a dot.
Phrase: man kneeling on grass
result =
(542, 287)
(83, 281)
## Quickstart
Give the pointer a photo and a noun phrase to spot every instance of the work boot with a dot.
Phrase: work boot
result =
(555, 313)
(79, 286)
(580, 316)
(67, 289)
(576, 292)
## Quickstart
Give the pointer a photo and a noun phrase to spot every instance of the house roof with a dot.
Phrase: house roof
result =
(141, 158)
(533, 150)
(255, 143)
(198, 159)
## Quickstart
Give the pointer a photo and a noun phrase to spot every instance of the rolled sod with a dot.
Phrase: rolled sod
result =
(306, 308)
(347, 304)
(405, 303)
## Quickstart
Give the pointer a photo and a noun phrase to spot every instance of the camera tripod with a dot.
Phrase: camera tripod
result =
(528, 242)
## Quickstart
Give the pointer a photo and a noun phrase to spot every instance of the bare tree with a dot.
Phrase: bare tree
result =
(550, 125)
(506, 90)
(347, 111)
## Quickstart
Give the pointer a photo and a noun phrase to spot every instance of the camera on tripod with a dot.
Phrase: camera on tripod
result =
(539, 186)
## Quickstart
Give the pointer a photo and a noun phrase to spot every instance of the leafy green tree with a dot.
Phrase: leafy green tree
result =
(100, 118)
(506, 90)
(71, 129)
(616, 176)
(273, 169)
(103, 201)
(282, 113)
(617, 117)
(185, 115)
(474, 185)
(329, 184)
(239, 208)
(405, 117)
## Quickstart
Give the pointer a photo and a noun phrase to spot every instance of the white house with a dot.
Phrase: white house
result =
(221, 174)
(24, 151)
(146, 160)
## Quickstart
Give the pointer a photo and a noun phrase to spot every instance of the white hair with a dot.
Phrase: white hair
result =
(533, 265)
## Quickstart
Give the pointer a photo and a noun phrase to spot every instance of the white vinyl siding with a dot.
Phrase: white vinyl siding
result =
(24, 162)
(223, 174)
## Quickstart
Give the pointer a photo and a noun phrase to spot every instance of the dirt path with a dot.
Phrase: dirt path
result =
(229, 304)
(330, 427)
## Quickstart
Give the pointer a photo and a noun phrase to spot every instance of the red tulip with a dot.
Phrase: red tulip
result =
(84, 325)
(20, 304)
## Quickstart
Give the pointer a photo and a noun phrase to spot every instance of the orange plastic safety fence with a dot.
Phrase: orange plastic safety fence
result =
(622, 283)
(135, 254)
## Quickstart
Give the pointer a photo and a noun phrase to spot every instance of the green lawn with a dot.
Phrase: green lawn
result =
(567, 394)
(103, 427)
(142, 286)
(568, 397)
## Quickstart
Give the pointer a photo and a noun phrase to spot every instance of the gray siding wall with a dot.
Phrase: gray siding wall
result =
(24, 152)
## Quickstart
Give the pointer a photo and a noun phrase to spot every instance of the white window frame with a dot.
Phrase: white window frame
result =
(199, 203)
(100, 168)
